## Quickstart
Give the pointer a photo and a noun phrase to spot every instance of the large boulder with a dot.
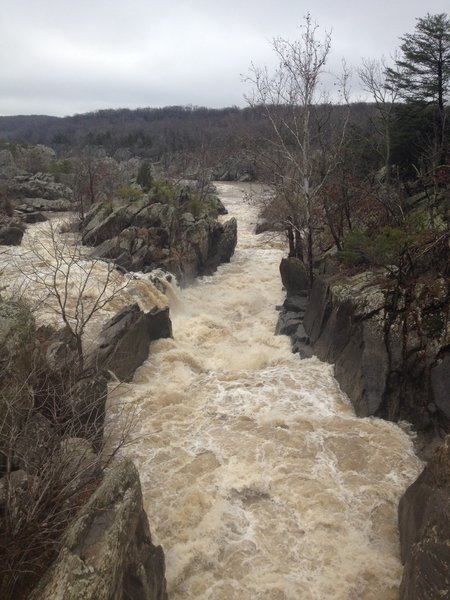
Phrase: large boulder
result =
(294, 276)
(11, 235)
(124, 341)
(227, 241)
(107, 552)
(424, 523)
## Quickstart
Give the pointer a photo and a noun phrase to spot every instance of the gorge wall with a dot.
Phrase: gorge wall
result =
(390, 345)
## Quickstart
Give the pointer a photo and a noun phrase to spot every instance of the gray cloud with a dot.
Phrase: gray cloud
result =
(60, 57)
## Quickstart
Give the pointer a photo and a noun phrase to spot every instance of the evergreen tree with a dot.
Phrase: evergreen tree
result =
(423, 71)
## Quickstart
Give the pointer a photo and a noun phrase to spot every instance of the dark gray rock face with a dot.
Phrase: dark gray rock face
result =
(107, 552)
(387, 344)
(125, 339)
(40, 186)
(11, 235)
(294, 276)
(440, 381)
(390, 346)
(292, 312)
(424, 522)
(145, 234)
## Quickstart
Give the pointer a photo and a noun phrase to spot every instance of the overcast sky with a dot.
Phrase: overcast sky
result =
(61, 57)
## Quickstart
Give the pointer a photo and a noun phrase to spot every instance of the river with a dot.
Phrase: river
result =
(258, 480)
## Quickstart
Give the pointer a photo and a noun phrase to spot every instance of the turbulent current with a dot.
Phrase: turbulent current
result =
(258, 480)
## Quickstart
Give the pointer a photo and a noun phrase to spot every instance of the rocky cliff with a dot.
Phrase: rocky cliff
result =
(390, 344)
(424, 522)
(165, 228)
(66, 510)
(107, 552)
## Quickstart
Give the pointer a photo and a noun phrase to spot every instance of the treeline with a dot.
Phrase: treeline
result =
(148, 132)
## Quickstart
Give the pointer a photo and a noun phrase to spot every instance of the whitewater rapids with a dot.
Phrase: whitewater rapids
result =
(258, 480)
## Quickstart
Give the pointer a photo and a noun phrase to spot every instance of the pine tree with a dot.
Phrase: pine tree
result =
(423, 71)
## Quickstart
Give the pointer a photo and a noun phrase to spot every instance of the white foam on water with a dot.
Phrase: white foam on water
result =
(259, 481)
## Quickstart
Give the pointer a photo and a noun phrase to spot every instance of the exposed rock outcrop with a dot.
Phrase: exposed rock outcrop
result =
(236, 168)
(38, 192)
(294, 276)
(424, 522)
(292, 313)
(124, 341)
(11, 234)
(52, 459)
(147, 234)
(388, 344)
(107, 552)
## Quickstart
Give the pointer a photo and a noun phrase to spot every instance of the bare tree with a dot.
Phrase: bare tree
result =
(68, 283)
(51, 464)
(374, 81)
(299, 116)
(96, 177)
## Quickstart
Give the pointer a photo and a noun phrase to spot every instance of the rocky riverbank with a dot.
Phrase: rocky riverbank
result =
(390, 347)
(64, 503)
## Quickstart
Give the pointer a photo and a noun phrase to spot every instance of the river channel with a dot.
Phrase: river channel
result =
(258, 480)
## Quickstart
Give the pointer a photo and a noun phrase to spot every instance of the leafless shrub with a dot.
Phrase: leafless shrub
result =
(52, 457)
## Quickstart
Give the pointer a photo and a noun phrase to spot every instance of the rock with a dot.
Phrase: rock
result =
(302, 349)
(440, 381)
(288, 323)
(78, 463)
(300, 335)
(356, 346)
(227, 242)
(125, 340)
(217, 203)
(104, 222)
(85, 408)
(296, 303)
(236, 168)
(146, 234)
(362, 369)
(36, 441)
(388, 344)
(34, 217)
(39, 192)
(319, 309)
(44, 204)
(424, 522)
(107, 552)
(294, 276)
(11, 235)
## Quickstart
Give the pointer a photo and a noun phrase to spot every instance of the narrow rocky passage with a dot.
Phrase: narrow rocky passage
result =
(259, 481)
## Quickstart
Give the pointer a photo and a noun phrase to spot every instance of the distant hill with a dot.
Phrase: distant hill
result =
(149, 132)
